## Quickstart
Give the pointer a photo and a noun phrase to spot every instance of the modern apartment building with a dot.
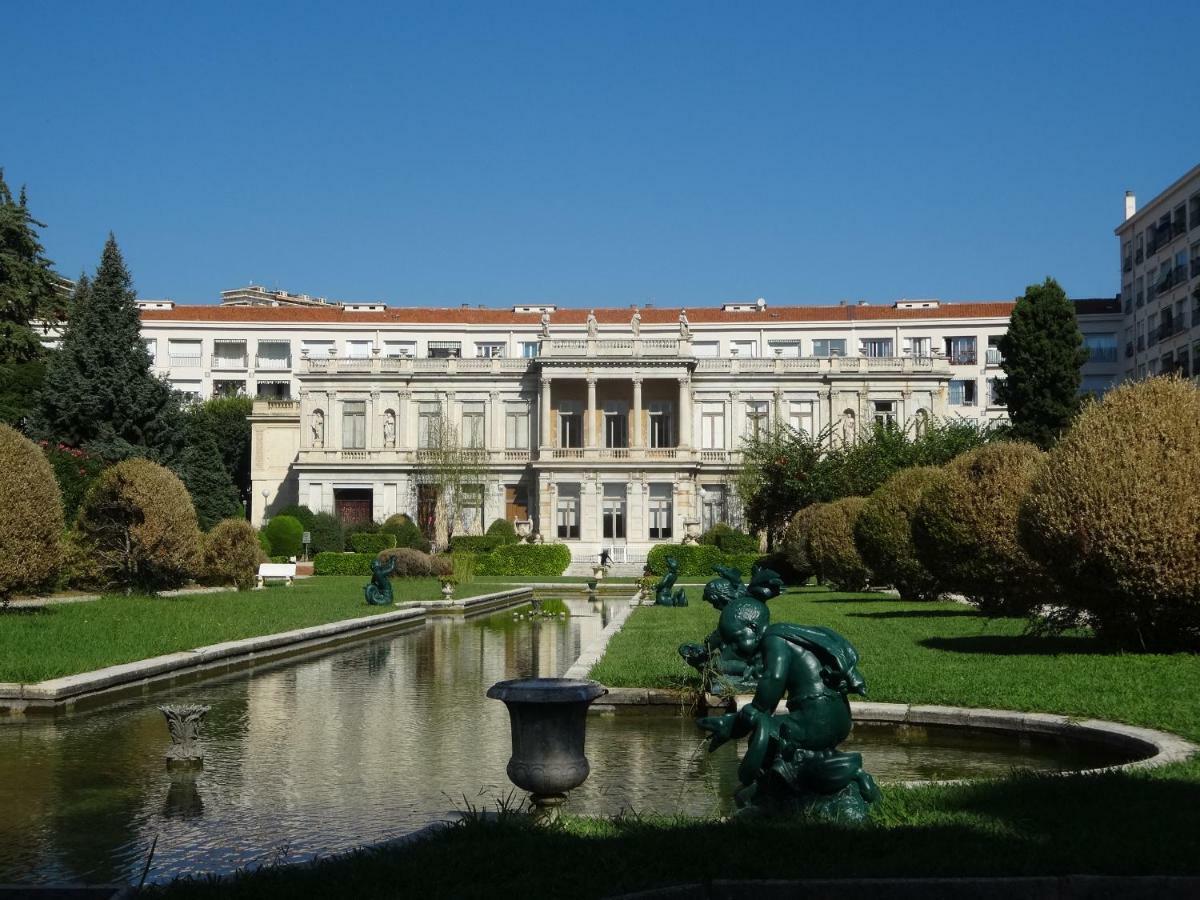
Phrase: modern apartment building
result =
(617, 427)
(1160, 281)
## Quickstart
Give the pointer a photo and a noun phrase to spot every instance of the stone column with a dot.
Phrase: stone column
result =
(685, 412)
(544, 414)
(730, 427)
(635, 414)
(779, 417)
(404, 419)
(374, 421)
(494, 439)
(590, 429)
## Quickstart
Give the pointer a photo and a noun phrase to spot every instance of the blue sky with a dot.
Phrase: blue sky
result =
(608, 153)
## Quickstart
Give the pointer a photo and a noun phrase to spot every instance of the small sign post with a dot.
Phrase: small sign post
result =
(305, 539)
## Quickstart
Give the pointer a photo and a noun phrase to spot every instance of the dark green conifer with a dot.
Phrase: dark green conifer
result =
(201, 469)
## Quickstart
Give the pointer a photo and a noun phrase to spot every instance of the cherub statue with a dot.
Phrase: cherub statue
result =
(662, 591)
(792, 764)
(379, 591)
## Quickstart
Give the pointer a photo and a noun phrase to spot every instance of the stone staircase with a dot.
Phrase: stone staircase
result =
(615, 570)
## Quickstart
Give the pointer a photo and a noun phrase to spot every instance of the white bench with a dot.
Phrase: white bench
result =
(286, 571)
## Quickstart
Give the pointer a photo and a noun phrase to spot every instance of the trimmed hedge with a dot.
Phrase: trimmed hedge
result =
(1115, 515)
(298, 511)
(231, 554)
(728, 539)
(831, 544)
(137, 526)
(406, 532)
(364, 542)
(412, 563)
(795, 543)
(525, 560)
(883, 534)
(343, 564)
(503, 531)
(965, 528)
(31, 515)
(475, 543)
(697, 560)
(284, 534)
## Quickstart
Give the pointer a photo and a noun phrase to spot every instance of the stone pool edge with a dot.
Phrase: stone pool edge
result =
(1165, 748)
(57, 694)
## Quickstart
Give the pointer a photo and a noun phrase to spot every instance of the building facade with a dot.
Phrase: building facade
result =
(1159, 247)
(617, 428)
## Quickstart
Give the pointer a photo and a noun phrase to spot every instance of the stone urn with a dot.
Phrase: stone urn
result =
(548, 719)
(447, 590)
(183, 722)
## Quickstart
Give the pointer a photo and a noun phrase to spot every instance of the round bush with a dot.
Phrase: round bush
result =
(138, 527)
(406, 532)
(795, 543)
(232, 554)
(1115, 514)
(965, 528)
(31, 516)
(301, 512)
(284, 533)
(883, 534)
(729, 540)
(503, 531)
(831, 544)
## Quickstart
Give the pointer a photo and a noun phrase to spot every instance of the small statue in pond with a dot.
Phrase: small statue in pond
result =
(726, 668)
(379, 591)
(663, 595)
(183, 723)
(792, 765)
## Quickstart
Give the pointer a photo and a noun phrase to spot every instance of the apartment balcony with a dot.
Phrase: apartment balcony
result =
(994, 356)
(229, 363)
(273, 363)
(962, 358)
(819, 366)
(407, 365)
(185, 362)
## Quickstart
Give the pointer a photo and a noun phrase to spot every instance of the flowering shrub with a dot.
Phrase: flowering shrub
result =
(74, 470)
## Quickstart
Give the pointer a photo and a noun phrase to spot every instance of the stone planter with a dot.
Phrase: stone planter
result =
(447, 590)
(548, 719)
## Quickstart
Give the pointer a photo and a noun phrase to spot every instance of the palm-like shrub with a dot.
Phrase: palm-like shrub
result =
(285, 534)
(1115, 514)
(31, 515)
(965, 528)
(883, 534)
(795, 542)
(831, 544)
(232, 554)
(137, 525)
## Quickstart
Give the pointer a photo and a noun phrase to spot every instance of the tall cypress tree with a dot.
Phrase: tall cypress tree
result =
(99, 392)
(1043, 351)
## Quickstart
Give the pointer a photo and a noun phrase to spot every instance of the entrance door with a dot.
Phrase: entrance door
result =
(352, 506)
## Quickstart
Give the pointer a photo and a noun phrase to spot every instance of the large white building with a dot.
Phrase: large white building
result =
(1160, 281)
(619, 430)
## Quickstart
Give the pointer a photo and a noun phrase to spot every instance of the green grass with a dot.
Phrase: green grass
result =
(67, 638)
(1135, 823)
(547, 579)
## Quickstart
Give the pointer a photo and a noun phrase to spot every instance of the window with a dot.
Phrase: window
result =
(567, 512)
(316, 349)
(473, 425)
(800, 416)
(1101, 347)
(230, 389)
(962, 392)
(445, 349)
(529, 349)
(274, 355)
(919, 348)
(660, 511)
(399, 349)
(189, 391)
(785, 348)
(1139, 291)
(661, 424)
(616, 424)
(613, 512)
(826, 347)
(712, 506)
(1139, 247)
(993, 398)
(712, 426)
(961, 350)
(885, 413)
(354, 424)
(229, 355)
(877, 347)
(516, 427)
(706, 349)
(152, 349)
(758, 417)
(358, 349)
(745, 348)
(570, 424)
(516, 502)
(1096, 385)
(1194, 211)
(429, 425)
(184, 353)
(274, 390)
(489, 350)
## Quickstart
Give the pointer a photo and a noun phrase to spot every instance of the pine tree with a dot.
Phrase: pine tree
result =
(202, 471)
(1043, 351)
(27, 283)
(99, 393)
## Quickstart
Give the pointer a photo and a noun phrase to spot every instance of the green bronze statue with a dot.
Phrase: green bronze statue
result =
(792, 765)
(663, 595)
(379, 591)
(725, 667)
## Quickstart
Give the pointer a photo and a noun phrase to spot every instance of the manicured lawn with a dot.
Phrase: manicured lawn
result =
(77, 637)
(546, 579)
(1137, 823)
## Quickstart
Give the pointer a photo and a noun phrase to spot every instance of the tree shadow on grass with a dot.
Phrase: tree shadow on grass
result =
(916, 614)
(1020, 645)
(872, 598)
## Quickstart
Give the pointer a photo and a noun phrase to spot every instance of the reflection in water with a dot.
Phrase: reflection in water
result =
(356, 745)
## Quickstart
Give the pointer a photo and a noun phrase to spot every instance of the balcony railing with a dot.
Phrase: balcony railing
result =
(185, 362)
(273, 363)
(994, 356)
(229, 362)
(962, 358)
